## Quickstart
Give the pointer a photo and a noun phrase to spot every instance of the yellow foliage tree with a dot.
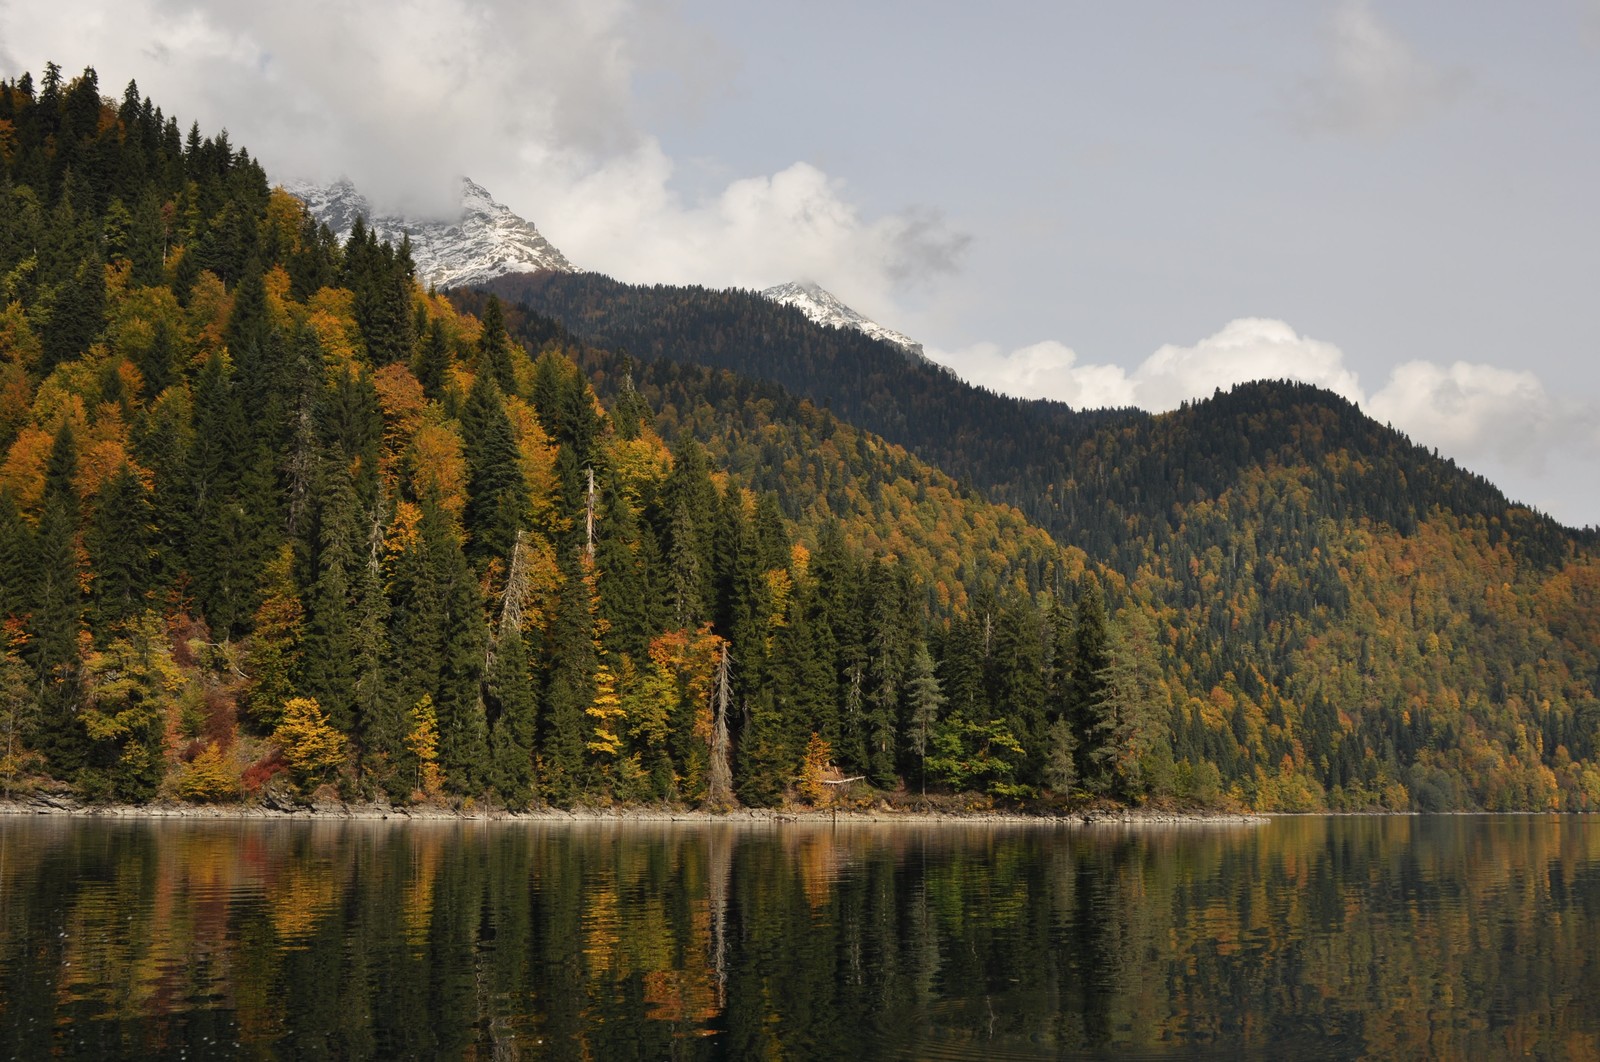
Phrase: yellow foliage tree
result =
(210, 778)
(607, 713)
(313, 748)
(814, 771)
(439, 465)
(423, 741)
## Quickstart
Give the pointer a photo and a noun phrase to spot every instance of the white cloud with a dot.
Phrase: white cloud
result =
(1372, 80)
(1501, 422)
(538, 101)
(1042, 370)
(1250, 348)
(1481, 412)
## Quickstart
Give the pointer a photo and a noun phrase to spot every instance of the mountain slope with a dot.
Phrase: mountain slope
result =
(824, 308)
(1342, 611)
(485, 241)
(268, 510)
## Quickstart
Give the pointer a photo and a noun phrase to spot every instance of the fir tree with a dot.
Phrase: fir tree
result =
(494, 347)
(926, 702)
(275, 654)
(1086, 680)
(570, 681)
(497, 495)
(120, 552)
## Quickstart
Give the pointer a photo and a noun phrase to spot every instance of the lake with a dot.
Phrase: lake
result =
(1324, 937)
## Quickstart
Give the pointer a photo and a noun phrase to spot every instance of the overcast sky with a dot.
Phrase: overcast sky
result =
(1104, 203)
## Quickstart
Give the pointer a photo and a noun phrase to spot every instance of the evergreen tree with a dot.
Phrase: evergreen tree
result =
(275, 655)
(330, 633)
(55, 624)
(926, 702)
(494, 347)
(1086, 680)
(513, 718)
(120, 552)
(380, 730)
(497, 495)
(16, 560)
(570, 680)
(625, 559)
(1129, 713)
(223, 559)
(1017, 676)
(433, 361)
(436, 646)
(463, 728)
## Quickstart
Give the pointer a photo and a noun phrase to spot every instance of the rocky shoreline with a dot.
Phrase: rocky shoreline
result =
(59, 805)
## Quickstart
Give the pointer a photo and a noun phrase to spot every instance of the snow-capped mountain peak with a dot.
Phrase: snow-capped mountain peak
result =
(487, 240)
(825, 308)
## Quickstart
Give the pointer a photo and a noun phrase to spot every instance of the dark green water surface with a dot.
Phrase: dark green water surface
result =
(1450, 937)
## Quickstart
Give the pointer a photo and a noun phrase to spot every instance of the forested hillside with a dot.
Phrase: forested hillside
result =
(274, 518)
(1267, 527)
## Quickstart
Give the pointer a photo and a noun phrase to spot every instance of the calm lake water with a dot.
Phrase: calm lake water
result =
(1470, 937)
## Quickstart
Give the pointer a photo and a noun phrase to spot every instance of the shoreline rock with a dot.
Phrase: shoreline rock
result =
(53, 804)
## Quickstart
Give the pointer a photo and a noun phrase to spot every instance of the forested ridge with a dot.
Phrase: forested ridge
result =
(273, 518)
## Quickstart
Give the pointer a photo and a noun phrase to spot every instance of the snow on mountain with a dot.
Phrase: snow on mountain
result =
(486, 241)
(826, 309)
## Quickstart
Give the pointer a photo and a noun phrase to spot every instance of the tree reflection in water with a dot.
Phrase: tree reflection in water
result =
(1397, 937)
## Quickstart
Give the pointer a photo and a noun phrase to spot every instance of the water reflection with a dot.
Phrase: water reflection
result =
(1394, 937)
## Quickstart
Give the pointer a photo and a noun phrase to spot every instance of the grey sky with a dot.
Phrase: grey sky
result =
(1103, 202)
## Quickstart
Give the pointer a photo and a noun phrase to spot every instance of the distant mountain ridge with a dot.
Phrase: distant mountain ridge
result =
(487, 240)
(825, 308)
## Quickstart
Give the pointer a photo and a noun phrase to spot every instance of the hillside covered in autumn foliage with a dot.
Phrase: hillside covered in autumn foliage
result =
(275, 518)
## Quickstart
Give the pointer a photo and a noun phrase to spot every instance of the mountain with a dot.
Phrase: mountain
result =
(824, 308)
(1347, 619)
(272, 515)
(485, 241)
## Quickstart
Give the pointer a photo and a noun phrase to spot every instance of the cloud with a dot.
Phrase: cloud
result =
(1250, 348)
(1480, 412)
(1495, 420)
(542, 102)
(1042, 370)
(1372, 80)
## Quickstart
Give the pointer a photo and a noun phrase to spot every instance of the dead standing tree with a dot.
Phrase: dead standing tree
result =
(719, 785)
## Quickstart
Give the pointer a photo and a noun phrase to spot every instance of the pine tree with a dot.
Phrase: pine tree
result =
(379, 728)
(330, 643)
(570, 681)
(497, 495)
(1017, 676)
(433, 361)
(494, 347)
(624, 559)
(1129, 712)
(17, 568)
(54, 643)
(690, 505)
(1086, 680)
(224, 539)
(463, 727)
(926, 701)
(120, 552)
(1060, 762)
(274, 658)
(436, 645)
(513, 719)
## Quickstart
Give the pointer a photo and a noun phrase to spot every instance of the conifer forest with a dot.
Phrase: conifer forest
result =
(276, 520)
